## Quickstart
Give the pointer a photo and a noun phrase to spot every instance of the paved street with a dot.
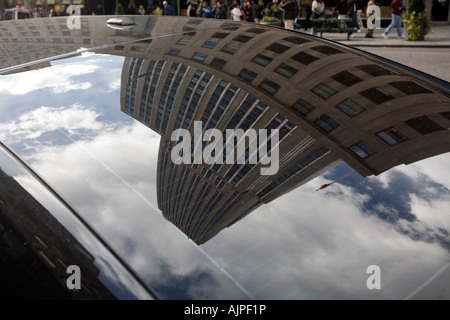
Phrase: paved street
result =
(434, 61)
(431, 55)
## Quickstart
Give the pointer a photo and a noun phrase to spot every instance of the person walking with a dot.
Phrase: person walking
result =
(259, 11)
(359, 12)
(397, 8)
(351, 14)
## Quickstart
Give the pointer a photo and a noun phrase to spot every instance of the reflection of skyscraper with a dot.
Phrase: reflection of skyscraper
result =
(328, 103)
(35, 250)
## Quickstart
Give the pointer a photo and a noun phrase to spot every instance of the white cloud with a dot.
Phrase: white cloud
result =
(58, 78)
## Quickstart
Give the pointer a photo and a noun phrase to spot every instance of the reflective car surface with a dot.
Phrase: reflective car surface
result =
(90, 129)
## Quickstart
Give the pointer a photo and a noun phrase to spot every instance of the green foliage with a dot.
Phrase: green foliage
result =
(269, 19)
(418, 21)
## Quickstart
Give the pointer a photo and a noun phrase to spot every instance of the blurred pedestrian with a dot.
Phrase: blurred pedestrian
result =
(397, 9)
(141, 10)
(259, 11)
(289, 13)
(236, 13)
(248, 11)
(317, 9)
(206, 11)
(351, 14)
(167, 9)
(359, 13)
(221, 11)
(308, 9)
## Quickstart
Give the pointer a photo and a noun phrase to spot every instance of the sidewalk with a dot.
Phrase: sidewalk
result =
(438, 37)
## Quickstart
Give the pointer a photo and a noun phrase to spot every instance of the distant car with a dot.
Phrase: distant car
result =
(16, 14)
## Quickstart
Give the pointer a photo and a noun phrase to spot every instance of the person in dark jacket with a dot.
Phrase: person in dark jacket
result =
(397, 10)
(289, 13)
(167, 9)
(221, 11)
(259, 11)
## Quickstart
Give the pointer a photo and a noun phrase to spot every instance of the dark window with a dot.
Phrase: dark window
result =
(303, 107)
(209, 44)
(375, 70)
(350, 108)
(262, 60)
(230, 26)
(286, 71)
(304, 58)
(182, 42)
(377, 95)
(220, 35)
(277, 47)
(247, 75)
(256, 30)
(269, 86)
(195, 21)
(218, 63)
(198, 56)
(296, 40)
(424, 125)
(326, 123)
(242, 38)
(327, 50)
(445, 115)
(346, 78)
(323, 91)
(230, 48)
(391, 136)
(409, 87)
(174, 52)
(362, 150)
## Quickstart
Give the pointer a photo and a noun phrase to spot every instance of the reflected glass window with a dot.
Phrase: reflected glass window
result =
(391, 136)
(209, 44)
(269, 86)
(296, 40)
(199, 56)
(262, 60)
(278, 47)
(218, 63)
(377, 95)
(424, 125)
(183, 42)
(242, 38)
(304, 58)
(303, 107)
(256, 30)
(323, 91)
(174, 52)
(247, 75)
(220, 35)
(286, 71)
(327, 50)
(346, 78)
(350, 108)
(326, 123)
(362, 150)
(409, 87)
(375, 70)
(230, 48)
